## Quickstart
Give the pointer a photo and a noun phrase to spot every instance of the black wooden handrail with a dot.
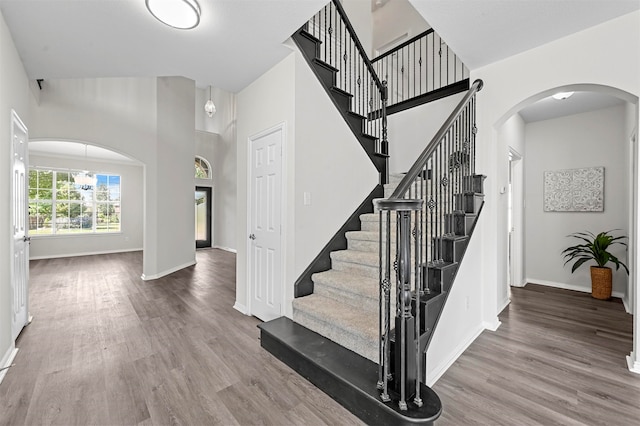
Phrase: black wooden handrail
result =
(358, 45)
(418, 166)
(404, 44)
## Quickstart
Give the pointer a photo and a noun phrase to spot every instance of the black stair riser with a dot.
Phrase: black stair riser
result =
(428, 315)
(355, 123)
(474, 183)
(441, 278)
(454, 248)
(459, 223)
(325, 72)
(469, 202)
(342, 99)
(309, 44)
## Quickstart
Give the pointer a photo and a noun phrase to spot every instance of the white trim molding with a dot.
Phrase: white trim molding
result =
(90, 253)
(229, 249)
(634, 363)
(167, 272)
(240, 308)
(503, 305)
(568, 286)
(7, 359)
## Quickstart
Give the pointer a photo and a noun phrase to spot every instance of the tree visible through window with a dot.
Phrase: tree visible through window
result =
(73, 202)
(203, 169)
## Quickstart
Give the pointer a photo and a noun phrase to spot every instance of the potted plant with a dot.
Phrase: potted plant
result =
(595, 247)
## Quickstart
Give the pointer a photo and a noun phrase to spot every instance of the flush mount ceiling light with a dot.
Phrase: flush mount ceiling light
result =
(562, 95)
(209, 107)
(181, 14)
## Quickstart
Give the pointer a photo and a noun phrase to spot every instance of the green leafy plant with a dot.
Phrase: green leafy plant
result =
(594, 248)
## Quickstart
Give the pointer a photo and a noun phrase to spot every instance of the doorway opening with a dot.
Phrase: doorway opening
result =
(203, 216)
(514, 221)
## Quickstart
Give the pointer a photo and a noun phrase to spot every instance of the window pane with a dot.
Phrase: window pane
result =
(44, 194)
(62, 185)
(45, 179)
(62, 217)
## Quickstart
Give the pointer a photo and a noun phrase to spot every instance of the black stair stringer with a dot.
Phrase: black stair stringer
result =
(322, 262)
(309, 46)
(445, 276)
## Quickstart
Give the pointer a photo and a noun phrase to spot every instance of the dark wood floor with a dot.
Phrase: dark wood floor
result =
(557, 358)
(108, 348)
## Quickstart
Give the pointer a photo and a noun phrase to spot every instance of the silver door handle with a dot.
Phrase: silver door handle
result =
(252, 237)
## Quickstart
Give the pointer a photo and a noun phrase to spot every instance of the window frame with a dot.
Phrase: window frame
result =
(204, 161)
(56, 230)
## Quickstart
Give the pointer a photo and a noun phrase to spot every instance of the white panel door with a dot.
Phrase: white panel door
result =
(265, 225)
(19, 229)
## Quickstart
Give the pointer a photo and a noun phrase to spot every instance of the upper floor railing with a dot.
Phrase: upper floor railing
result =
(341, 48)
(422, 65)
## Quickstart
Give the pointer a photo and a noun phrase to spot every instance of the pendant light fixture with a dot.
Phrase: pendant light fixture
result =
(83, 178)
(209, 107)
(180, 14)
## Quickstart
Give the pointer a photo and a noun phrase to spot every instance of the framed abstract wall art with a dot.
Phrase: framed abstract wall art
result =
(574, 190)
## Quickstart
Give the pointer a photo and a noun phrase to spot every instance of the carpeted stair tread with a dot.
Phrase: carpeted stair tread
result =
(365, 235)
(355, 290)
(356, 256)
(355, 329)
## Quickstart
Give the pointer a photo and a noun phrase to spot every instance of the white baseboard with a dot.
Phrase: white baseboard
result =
(627, 306)
(89, 253)
(437, 372)
(7, 359)
(569, 286)
(167, 272)
(232, 250)
(493, 325)
(634, 363)
(503, 305)
(240, 308)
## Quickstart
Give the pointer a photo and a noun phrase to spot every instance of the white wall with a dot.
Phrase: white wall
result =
(584, 58)
(411, 130)
(591, 139)
(396, 20)
(14, 94)
(324, 160)
(174, 174)
(150, 120)
(359, 13)
(130, 237)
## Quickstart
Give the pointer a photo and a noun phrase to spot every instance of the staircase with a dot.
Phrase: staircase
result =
(344, 304)
(366, 308)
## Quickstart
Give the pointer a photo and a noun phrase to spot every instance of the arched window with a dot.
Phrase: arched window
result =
(203, 168)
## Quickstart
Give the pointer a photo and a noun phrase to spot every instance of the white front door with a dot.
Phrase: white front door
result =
(19, 229)
(265, 264)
